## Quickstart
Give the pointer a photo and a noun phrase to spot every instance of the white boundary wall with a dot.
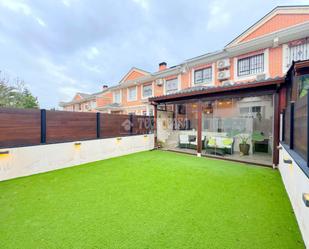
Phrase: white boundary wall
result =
(24, 161)
(296, 183)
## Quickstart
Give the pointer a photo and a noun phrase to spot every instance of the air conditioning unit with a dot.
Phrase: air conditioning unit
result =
(224, 63)
(260, 77)
(159, 82)
(223, 75)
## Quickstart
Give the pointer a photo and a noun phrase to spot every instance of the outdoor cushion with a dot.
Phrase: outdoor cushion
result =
(183, 139)
(212, 142)
(194, 142)
(220, 142)
(192, 138)
(227, 141)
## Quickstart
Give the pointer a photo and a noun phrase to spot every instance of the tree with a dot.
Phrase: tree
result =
(16, 94)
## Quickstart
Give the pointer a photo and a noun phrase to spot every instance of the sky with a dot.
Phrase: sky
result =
(60, 47)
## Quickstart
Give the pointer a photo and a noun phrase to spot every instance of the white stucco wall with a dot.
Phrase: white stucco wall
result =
(296, 183)
(164, 125)
(24, 161)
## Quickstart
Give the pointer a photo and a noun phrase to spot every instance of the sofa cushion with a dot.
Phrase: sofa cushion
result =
(183, 139)
(227, 141)
(220, 142)
(192, 138)
(212, 142)
(194, 142)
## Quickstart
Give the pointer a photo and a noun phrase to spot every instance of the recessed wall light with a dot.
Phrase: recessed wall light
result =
(306, 199)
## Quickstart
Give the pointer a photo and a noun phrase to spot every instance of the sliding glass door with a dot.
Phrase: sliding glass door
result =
(239, 128)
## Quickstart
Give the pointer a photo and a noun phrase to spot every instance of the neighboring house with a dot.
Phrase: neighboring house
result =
(83, 102)
(130, 96)
(265, 50)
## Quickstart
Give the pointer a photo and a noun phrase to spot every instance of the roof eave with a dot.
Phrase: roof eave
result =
(166, 98)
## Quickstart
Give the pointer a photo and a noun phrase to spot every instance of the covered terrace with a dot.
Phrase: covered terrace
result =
(238, 122)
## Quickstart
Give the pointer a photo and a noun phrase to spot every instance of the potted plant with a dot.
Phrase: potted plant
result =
(244, 147)
(160, 144)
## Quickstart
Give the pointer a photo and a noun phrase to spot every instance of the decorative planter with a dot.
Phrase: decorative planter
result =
(244, 149)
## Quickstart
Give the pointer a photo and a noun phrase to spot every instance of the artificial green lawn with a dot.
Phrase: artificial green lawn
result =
(149, 200)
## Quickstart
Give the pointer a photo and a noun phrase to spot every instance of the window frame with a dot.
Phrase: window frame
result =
(173, 90)
(259, 65)
(114, 98)
(203, 79)
(291, 49)
(152, 90)
(128, 93)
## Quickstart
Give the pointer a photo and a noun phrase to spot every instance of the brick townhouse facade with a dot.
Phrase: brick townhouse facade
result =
(265, 50)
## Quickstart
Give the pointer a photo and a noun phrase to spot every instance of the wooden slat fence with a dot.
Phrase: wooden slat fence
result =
(300, 127)
(25, 127)
(19, 127)
(295, 127)
(114, 125)
(68, 126)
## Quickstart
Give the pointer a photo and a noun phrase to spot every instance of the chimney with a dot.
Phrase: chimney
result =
(162, 66)
(105, 87)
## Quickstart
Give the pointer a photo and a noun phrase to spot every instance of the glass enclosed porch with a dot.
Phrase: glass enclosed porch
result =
(238, 128)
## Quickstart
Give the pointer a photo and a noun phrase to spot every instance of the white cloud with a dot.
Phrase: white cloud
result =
(57, 72)
(20, 6)
(40, 21)
(92, 53)
(142, 3)
(67, 92)
(68, 3)
(16, 6)
(219, 15)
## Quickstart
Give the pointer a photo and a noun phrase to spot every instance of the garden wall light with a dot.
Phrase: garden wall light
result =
(4, 153)
(118, 140)
(77, 145)
(306, 199)
(287, 160)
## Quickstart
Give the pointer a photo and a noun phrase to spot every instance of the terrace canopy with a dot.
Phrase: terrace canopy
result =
(237, 121)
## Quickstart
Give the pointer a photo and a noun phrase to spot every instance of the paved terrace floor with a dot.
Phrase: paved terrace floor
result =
(256, 158)
(154, 199)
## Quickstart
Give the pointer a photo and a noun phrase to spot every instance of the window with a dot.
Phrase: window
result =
(171, 86)
(203, 75)
(244, 111)
(250, 65)
(147, 91)
(303, 85)
(93, 104)
(181, 109)
(298, 50)
(117, 97)
(253, 111)
(132, 93)
(256, 109)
